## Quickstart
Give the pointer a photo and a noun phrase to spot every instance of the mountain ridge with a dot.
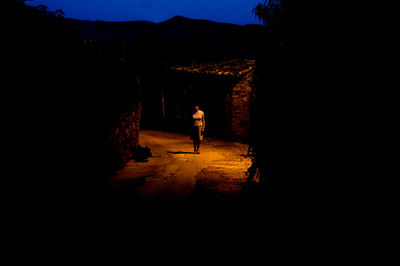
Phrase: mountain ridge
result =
(178, 38)
(174, 18)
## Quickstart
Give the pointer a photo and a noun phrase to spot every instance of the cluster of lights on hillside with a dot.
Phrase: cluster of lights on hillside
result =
(234, 67)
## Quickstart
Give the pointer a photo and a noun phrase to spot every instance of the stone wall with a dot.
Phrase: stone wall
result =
(120, 140)
(241, 99)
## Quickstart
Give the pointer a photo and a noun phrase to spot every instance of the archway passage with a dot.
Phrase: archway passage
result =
(213, 95)
(223, 90)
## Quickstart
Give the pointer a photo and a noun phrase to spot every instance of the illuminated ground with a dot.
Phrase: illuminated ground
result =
(174, 172)
(177, 191)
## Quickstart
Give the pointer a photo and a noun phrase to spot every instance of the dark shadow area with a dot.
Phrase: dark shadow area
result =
(74, 110)
(140, 154)
(316, 81)
(118, 215)
(180, 152)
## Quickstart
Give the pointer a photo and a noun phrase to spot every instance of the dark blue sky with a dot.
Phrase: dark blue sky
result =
(230, 11)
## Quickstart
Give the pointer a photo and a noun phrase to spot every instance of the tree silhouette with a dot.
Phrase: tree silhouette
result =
(271, 11)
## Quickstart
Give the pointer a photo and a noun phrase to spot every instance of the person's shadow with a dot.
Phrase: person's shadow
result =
(180, 152)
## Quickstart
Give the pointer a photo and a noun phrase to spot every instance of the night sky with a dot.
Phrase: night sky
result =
(229, 11)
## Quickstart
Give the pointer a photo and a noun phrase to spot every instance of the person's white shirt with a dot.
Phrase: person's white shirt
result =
(198, 118)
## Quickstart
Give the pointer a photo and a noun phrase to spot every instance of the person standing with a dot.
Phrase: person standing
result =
(198, 127)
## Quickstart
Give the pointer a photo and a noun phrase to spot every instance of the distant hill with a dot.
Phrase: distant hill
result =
(177, 39)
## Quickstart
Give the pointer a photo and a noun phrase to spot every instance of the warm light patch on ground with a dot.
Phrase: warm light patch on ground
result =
(174, 172)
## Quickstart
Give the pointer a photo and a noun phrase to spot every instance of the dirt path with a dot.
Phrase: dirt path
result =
(174, 172)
